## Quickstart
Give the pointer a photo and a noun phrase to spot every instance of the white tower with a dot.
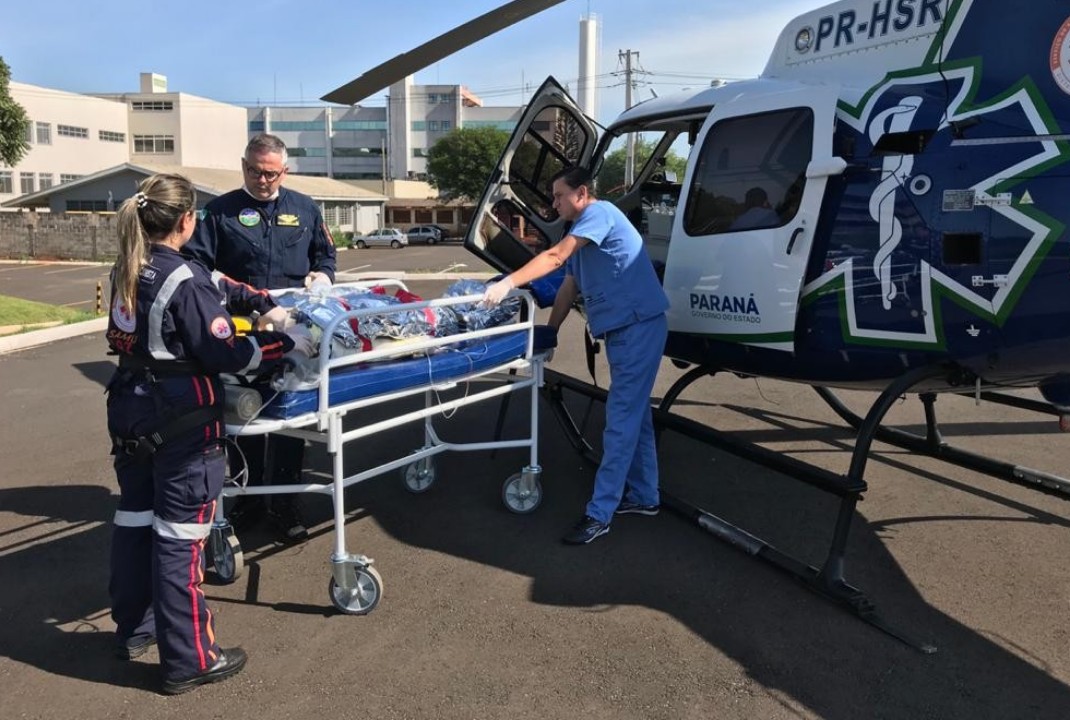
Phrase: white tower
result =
(590, 47)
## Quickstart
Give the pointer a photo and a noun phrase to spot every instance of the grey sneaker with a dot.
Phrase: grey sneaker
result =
(630, 508)
(586, 530)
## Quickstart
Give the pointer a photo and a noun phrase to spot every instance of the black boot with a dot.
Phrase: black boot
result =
(230, 662)
(247, 512)
(287, 518)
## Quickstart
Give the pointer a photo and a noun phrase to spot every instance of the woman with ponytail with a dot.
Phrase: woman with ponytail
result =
(172, 331)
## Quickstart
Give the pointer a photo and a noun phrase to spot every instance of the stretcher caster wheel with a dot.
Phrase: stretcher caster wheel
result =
(522, 493)
(363, 594)
(418, 476)
(227, 558)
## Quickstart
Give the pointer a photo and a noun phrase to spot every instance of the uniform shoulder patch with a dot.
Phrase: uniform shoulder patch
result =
(123, 318)
(220, 328)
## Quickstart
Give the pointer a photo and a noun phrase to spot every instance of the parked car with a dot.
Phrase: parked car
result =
(424, 234)
(381, 237)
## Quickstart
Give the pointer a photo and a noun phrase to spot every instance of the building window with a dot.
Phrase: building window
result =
(44, 180)
(306, 152)
(152, 105)
(423, 217)
(445, 217)
(356, 151)
(109, 136)
(6, 183)
(87, 206)
(418, 125)
(44, 133)
(72, 131)
(402, 216)
(297, 125)
(360, 125)
(432, 99)
(28, 134)
(66, 178)
(419, 152)
(256, 126)
(330, 214)
(432, 125)
(445, 125)
(154, 144)
(508, 125)
(26, 183)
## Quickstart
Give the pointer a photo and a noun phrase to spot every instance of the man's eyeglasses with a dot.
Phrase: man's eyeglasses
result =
(269, 175)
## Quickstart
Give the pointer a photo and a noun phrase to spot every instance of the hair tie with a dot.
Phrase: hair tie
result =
(142, 199)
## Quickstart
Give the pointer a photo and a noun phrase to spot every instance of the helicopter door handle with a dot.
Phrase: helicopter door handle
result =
(795, 236)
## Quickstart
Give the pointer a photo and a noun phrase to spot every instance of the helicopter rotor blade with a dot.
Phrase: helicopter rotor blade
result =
(388, 73)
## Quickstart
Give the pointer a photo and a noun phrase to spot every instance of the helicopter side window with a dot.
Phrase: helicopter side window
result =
(751, 173)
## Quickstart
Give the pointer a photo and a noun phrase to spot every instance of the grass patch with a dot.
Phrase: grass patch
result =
(16, 311)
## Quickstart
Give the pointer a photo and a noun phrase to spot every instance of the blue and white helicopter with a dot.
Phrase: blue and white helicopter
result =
(883, 208)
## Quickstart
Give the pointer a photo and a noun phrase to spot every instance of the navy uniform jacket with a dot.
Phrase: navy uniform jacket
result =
(182, 314)
(268, 244)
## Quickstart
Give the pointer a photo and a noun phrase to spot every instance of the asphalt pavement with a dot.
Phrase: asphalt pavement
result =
(486, 614)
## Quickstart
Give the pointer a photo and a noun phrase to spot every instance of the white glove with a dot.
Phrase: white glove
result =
(318, 283)
(497, 292)
(302, 338)
(277, 318)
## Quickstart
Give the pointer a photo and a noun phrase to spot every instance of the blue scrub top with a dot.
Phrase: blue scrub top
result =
(613, 272)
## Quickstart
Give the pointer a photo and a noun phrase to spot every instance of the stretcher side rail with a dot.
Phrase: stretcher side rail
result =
(355, 586)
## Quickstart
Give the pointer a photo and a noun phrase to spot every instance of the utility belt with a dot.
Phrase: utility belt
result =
(146, 445)
(172, 424)
(159, 368)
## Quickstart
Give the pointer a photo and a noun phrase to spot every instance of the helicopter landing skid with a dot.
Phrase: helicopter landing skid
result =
(829, 580)
(933, 444)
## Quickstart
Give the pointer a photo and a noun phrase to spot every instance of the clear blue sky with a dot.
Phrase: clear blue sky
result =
(288, 51)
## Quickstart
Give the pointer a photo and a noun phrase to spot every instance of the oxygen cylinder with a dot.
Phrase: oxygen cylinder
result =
(241, 404)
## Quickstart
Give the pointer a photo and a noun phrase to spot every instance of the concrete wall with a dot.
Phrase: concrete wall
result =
(60, 236)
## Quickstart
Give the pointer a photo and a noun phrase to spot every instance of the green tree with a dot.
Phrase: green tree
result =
(14, 123)
(611, 175)
(461, 162)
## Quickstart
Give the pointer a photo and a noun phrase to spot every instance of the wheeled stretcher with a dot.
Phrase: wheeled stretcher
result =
(487, 363)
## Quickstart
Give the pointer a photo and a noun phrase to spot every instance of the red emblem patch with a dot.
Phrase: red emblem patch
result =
(221, 328)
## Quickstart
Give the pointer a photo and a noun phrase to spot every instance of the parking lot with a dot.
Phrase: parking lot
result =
(75, 284)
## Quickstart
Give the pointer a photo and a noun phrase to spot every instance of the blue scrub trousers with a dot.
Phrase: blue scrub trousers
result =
(629, 466)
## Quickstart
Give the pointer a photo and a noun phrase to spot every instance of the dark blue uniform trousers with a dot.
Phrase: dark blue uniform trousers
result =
(166, 504)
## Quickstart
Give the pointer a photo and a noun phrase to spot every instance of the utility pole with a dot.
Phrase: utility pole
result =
(629, 159)
(382, 154)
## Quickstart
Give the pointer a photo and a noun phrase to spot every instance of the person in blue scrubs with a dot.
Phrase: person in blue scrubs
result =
(606, 263)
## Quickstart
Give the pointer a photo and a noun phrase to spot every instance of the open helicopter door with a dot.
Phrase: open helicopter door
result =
(515, 219)
(742, 236)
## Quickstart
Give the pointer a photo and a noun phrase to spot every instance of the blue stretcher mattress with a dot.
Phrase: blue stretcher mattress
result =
(360, 381)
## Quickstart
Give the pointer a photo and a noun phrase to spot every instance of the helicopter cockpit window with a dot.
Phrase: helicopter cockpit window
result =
(751, 173)
(554, 141)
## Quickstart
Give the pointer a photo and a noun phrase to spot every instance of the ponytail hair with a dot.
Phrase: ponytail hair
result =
(151, 215)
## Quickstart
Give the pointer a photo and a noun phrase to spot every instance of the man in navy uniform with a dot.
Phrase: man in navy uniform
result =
(269, 237)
